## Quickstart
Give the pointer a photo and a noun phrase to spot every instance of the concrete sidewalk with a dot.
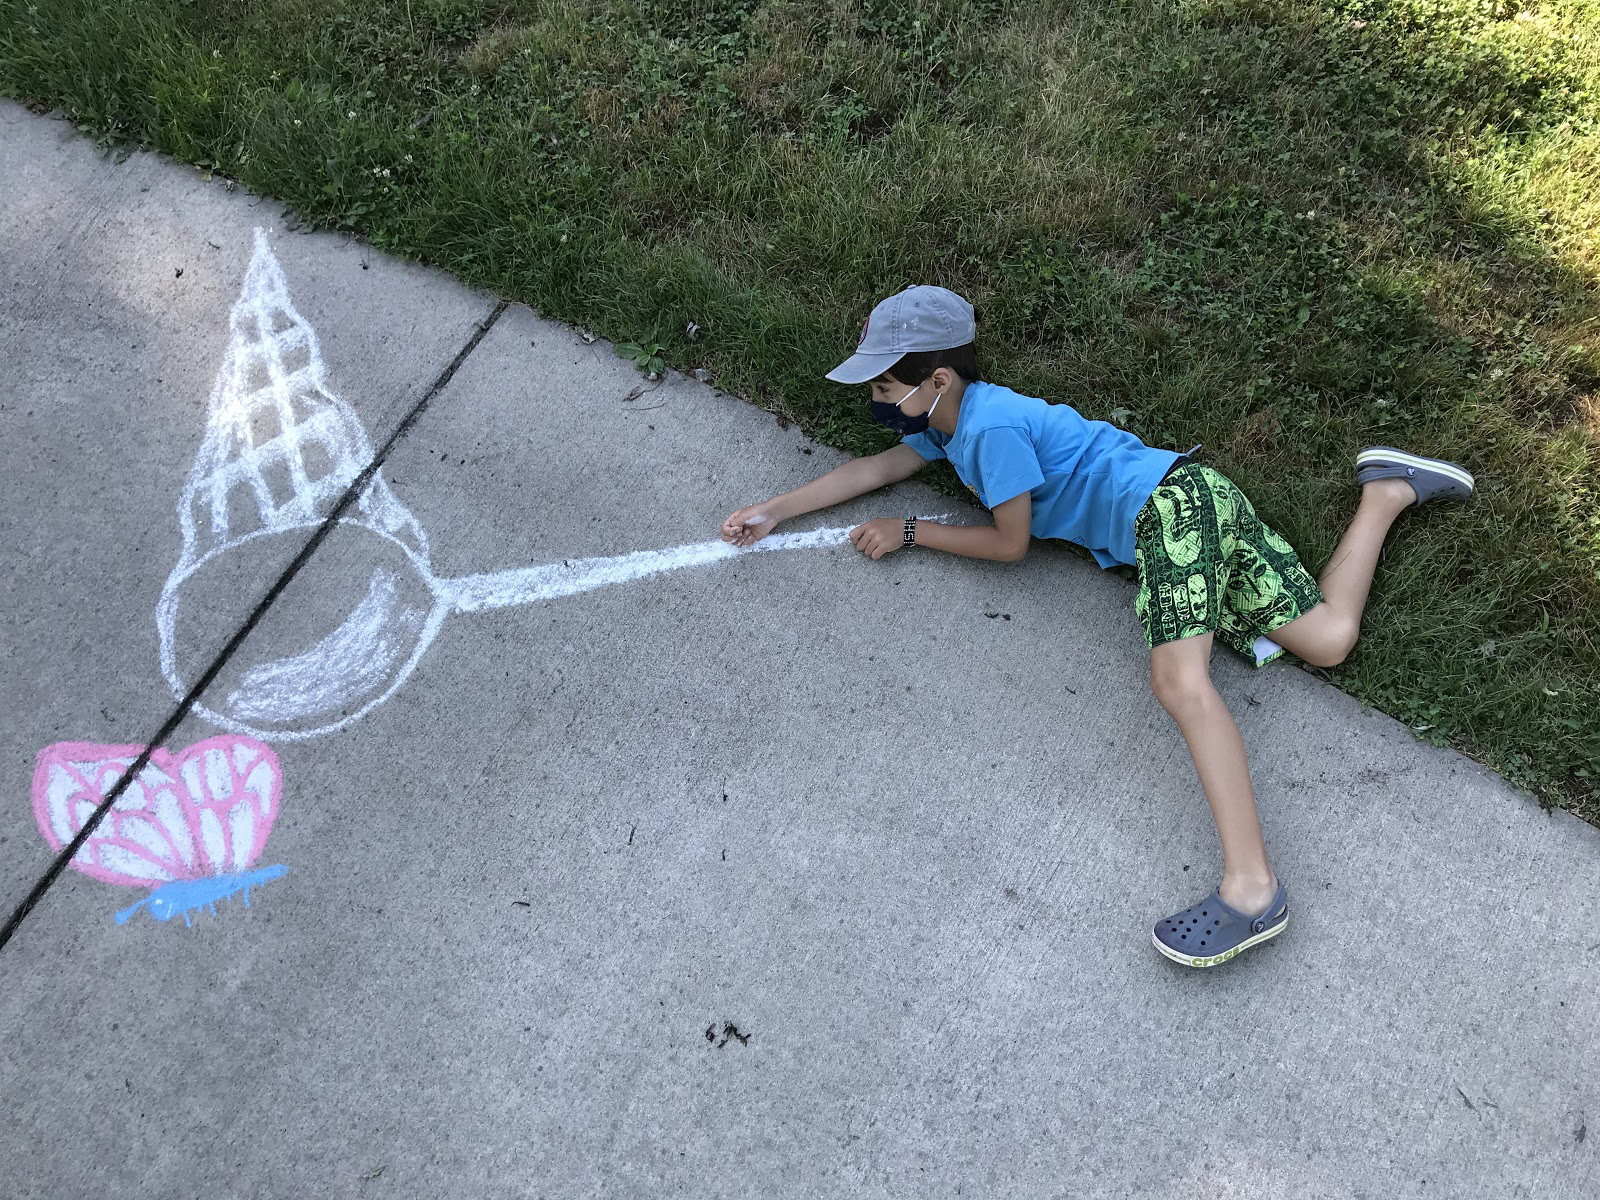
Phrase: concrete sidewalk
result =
(706, 883)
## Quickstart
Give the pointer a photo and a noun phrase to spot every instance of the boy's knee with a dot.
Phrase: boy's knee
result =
(1181, 691)
(1337, 640)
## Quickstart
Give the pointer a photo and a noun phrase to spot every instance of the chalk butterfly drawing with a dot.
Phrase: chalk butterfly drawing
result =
(280, 449)
(191, 826)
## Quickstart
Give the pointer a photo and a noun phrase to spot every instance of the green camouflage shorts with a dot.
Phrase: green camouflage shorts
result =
(1208, 564)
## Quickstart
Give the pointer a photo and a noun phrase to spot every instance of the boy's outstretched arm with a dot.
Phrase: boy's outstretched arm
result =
(855, 478)
(1004, 541)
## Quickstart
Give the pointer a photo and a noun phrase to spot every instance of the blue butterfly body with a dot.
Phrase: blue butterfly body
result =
(186, 895)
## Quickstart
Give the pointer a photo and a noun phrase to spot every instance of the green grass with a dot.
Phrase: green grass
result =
(1283, 228)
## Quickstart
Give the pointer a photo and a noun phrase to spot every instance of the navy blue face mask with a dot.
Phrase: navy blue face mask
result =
(889, 414)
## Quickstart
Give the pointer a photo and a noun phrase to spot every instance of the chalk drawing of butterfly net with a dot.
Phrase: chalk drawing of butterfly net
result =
(279, 451)
(191, 826)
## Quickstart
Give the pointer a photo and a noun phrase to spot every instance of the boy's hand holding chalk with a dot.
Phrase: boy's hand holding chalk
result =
(748, 526)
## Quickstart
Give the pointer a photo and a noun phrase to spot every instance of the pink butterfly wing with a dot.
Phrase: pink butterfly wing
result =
(207, 812)
(234, 786)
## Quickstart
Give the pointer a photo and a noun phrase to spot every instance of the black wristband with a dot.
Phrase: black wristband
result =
(911, 531)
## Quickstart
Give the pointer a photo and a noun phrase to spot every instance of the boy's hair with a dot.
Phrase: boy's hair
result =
(916, 367)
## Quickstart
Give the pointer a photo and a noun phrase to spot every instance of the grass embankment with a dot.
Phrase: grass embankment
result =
(1279, 227)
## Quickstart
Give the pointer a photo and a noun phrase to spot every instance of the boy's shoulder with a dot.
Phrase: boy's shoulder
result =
(998, 406)
(996, 399)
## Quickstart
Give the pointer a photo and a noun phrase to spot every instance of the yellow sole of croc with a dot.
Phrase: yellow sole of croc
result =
(1200, 960)
(1368, 457)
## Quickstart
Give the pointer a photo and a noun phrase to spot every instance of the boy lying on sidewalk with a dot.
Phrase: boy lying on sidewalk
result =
(1208, 566)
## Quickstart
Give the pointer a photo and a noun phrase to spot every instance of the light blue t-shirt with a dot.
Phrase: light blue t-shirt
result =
(1089, 479)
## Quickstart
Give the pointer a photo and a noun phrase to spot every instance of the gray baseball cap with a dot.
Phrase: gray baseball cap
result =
(920, 318)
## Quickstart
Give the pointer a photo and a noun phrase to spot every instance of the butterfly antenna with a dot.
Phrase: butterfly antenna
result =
(126, 914)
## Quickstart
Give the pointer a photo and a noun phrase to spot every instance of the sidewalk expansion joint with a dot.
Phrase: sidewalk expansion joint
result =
(187, 703)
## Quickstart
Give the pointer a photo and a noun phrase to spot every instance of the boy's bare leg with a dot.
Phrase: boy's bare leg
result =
(1180, 675)
(1326, 634)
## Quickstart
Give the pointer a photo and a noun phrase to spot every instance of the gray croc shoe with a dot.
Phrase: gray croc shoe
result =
(1430, 478)
(1210, 932)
